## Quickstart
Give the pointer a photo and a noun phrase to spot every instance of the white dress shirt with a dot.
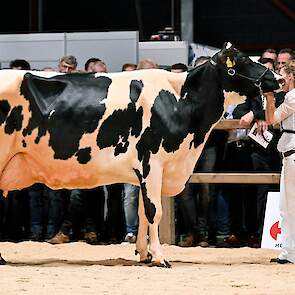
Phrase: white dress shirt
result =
(285, 114)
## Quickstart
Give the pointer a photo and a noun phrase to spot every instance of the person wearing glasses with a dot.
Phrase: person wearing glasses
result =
(269, 53)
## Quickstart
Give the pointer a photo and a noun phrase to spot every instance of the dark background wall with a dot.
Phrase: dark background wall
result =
(252, 25)
(85, 15)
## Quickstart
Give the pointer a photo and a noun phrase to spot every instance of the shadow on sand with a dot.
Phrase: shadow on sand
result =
(118, 262)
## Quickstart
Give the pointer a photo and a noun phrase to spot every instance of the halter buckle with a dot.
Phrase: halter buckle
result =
(231, 72)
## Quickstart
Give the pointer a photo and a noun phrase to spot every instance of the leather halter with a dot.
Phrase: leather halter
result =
(232, 72)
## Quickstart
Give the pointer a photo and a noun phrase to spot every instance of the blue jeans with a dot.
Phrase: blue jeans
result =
(222, 216)
(130, 203)
(37, 209)
(45, 202)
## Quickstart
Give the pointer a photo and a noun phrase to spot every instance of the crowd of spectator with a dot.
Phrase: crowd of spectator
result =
(206, 214)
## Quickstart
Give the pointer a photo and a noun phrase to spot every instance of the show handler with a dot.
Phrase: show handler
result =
(285, 115)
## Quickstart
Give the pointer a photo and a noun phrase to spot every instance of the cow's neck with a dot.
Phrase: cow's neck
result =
(203, 89)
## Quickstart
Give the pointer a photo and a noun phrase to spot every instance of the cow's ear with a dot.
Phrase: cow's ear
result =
(227, 55)
(227, 46)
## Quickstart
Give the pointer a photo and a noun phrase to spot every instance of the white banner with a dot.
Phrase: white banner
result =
(271, 236)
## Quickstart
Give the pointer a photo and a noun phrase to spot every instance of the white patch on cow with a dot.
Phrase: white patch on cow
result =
(103, 101)
(277, 76)
(228, 45)
(50, 114)
(120, 139)
(185, 95)
(45, 74)
(111, 75)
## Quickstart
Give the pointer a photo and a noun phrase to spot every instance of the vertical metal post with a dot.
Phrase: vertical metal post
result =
(36, 16)
(40, 16)
(138, 8)
(32, 15)
(172, 15)
(187, 20)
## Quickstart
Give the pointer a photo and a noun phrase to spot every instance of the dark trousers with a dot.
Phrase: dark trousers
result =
(16, 216)
(85, 211)
(195, 202)
(115, 221)
(241, 198)
(264, 162)
(46, 210)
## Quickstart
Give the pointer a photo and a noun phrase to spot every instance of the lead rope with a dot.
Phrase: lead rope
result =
(264, 102)
(263, 98)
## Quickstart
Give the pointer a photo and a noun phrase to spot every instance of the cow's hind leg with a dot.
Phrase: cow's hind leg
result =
(142, 242)
(2, 261)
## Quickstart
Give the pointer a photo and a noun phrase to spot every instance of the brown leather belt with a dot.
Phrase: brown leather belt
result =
(288, 153)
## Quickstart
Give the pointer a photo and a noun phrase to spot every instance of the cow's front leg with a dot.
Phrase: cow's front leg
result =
(2, 261)
(141, 241)
(151, 196)
(155, 246)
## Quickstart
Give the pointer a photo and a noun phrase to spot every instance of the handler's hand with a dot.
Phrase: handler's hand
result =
(247, 119)
(261, 126)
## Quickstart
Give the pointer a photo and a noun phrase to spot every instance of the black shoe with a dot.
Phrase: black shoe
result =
(280, 261)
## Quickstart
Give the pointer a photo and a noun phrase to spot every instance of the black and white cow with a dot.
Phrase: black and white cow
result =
(144, 127)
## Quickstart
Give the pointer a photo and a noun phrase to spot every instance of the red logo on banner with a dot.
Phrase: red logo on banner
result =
(275, 230)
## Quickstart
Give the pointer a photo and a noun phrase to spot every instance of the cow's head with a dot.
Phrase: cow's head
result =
(241, 74)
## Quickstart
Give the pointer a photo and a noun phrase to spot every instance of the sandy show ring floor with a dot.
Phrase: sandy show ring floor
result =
(79, 268)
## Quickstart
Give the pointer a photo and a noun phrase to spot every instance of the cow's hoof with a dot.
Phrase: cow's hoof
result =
(147, 260)
(2, 261)
(164, 264)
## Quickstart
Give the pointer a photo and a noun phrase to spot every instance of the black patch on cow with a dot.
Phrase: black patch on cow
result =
(202, 87)
(169, 125)
(200, 106)
(149, 207)
(14, 120)
(149, 142)
(116, 128)
(84, 155)
(24, 143)
(45, 93)
(121, 148)
(4, 110)
(135, 90)
(66, 113)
